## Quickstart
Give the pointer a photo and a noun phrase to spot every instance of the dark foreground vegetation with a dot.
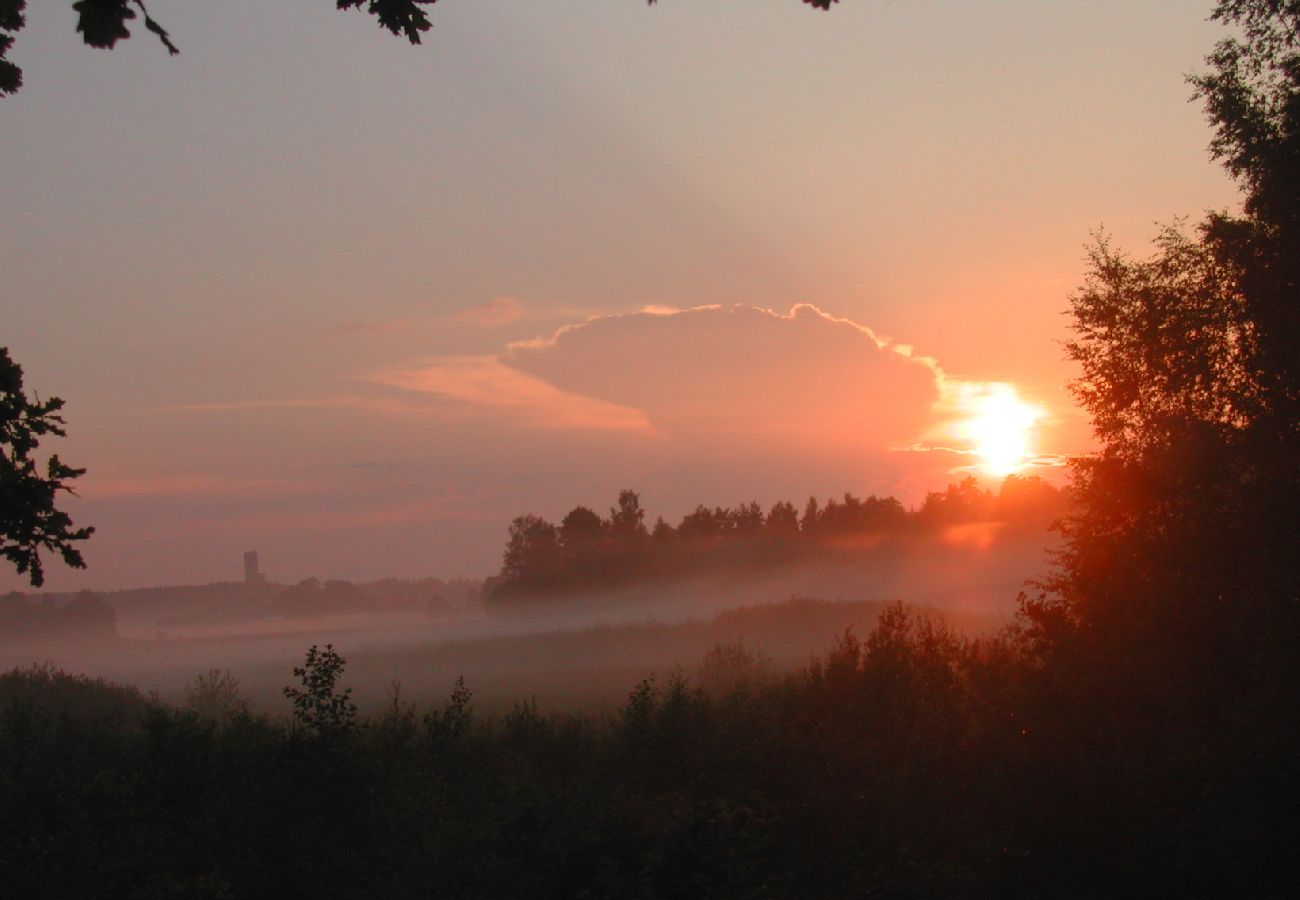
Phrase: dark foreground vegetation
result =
(910, 763)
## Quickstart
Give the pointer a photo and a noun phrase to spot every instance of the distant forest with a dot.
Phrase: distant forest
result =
(84, 615)
(586, 552)
(27, 618)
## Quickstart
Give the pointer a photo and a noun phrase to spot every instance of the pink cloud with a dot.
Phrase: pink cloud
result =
(487, 383)
(710, 376)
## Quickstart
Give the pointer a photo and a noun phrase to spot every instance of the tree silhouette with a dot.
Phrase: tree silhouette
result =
(12, 21)
(1189, 364)
(586, 555)
(532, 551)
(580, 527)
(319, 705)
(782, 521)
(103, 23)
(1252, 98)
(1168, 629)
(627, 520)
(29, 520)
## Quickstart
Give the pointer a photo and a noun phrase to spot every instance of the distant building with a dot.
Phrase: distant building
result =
(251, 573)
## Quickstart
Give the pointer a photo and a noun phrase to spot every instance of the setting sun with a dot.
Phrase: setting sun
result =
(999, 426)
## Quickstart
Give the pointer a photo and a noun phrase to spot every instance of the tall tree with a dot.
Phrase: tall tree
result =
(532, 552)
(1189, 371)
(627, 520)
(1252, 98)
(1167, 633)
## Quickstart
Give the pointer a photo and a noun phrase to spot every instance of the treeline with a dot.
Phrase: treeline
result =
(238, 601)
(33, 620)
(242, 601)
(587, 552)
(911, 763)
(435, 596)
(143, 609)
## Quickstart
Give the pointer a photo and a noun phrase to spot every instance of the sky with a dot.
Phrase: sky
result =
(309, 290)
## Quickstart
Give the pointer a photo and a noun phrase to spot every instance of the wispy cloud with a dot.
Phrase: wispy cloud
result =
(498, 311)
(486, 382)
(366, 326)
(380, 405)
(99, 487)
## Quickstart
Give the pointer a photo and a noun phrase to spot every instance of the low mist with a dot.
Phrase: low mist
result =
(584, 651)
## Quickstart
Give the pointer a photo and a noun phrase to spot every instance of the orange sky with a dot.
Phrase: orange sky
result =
(356, 304)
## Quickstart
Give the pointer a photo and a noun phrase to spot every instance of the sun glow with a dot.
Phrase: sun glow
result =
(999, 427)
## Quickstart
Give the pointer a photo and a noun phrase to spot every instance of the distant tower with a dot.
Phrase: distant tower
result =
(251, 574)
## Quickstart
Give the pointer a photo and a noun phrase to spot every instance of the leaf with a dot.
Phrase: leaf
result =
(102, 23)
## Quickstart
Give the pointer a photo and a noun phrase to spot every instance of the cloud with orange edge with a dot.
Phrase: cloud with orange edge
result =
(702, 377)
(743, 374)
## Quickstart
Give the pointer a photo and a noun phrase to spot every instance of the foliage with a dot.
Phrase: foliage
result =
(910, 762)
(319, 705)
(401, 17)
(1189, 373)
(627, 520)
(29, 520)
(531, 551)
(216, 696)
(55, 692)
(588, 553)
(1162, 646)
(732, 668)
(103, 23)
(31, 620)
(310, 597)
(1252, 99)
(12, 21)
(456, 717)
